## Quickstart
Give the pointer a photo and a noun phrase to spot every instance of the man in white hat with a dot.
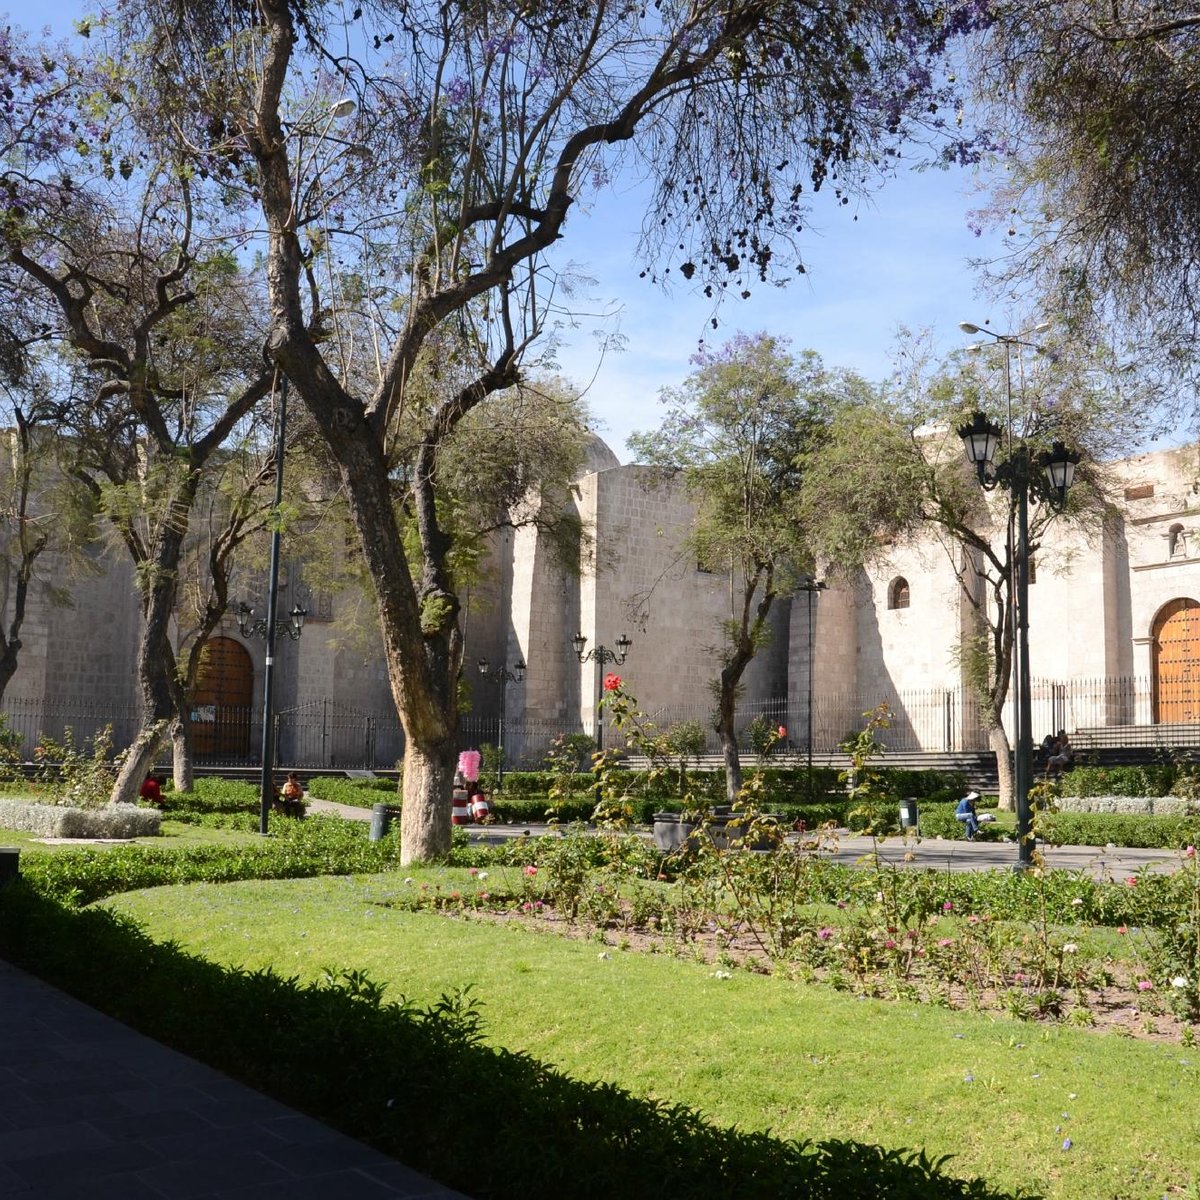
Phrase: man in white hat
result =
(966, 814)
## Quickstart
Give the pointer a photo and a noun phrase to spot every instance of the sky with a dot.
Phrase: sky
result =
(905, 261)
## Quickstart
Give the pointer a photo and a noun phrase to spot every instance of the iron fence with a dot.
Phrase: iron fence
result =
(325, 735)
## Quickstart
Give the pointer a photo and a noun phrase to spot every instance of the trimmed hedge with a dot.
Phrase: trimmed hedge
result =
(1120, 829)
(360, 793)
(1119, 781)
(389, 1074)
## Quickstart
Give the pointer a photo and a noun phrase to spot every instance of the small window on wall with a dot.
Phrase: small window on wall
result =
(898, 595)
(1176, 542)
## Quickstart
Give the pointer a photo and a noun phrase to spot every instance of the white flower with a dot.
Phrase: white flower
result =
(1070, 948)
(1180, 981)
(410, 879)
(722, 975)
(1076, 902)
(482, 875)
(604, 954)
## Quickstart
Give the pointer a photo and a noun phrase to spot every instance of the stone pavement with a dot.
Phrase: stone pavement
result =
(89, 1108)
(930, 853)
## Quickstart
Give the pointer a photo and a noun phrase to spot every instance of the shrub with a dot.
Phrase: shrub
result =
(413, 1066)
(1120, 829)
(57, 821)
(360, 793)
(1117, 781)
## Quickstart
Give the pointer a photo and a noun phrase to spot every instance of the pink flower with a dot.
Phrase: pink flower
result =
(1122, 929)
(972, 920)
(1144, 985)
(825, 933)
(1131, 881)
(1019, 977)
(889, 944)
(782, 731)
(527, 907)
(484, 896)
(531, 871)
(945, 941)
(472, 871)
(948, 906)
(1190, 852)
(612, 681)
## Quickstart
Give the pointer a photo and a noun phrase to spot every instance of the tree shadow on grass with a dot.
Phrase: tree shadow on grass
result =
(420, 1084)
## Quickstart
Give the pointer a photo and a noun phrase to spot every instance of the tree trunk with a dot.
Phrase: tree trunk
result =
(729, 746)
(162, 693)
(425, 823)
(998, 741)
(183, 767)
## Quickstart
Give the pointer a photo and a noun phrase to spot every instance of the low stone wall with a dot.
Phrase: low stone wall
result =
(51, 820)
(1146, 806)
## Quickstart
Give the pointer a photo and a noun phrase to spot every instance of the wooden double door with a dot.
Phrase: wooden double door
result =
(1176, 663)
(221, 702)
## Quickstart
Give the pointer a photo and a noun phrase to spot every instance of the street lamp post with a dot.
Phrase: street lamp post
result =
(269, 626)
(811, 585)
(504, 676)
(1017, 475)
(601, 655)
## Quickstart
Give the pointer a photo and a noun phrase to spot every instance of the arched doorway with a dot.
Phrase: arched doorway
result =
(1176, 663)
(222, 700)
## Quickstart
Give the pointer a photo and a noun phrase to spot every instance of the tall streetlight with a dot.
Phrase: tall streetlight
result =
(1017, 475)
(601, 655)
(811, 585)
(270, 626)
(504, 677)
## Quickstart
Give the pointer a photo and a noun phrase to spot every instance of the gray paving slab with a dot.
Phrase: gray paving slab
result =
(90, 1107)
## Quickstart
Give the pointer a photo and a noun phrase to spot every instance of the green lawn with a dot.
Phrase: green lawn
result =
(1003, 1096)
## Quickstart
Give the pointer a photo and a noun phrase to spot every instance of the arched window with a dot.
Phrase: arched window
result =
(898, 594)
(1176, 541)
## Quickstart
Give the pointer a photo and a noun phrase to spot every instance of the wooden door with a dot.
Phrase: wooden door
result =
(1177, 663)
(221, 701)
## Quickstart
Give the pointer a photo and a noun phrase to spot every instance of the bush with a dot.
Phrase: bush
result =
(359, 793)
(1118, 781)
(1120, 829)
(57, 821)
(411, 1067)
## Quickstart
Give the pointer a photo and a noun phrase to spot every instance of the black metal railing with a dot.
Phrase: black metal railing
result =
(326, 735)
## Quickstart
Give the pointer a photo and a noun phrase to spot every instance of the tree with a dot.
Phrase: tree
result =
(482, 125)
(119, 253)
(1097, 110)
(737, 431)
(893, 469)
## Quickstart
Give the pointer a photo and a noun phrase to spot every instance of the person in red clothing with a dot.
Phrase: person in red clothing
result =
(151, 790)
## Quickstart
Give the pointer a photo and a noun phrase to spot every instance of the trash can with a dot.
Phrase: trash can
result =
(908, 813)
(382, 816)
(10, 864)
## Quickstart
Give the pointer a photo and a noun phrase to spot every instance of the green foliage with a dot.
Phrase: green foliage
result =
(294, 850)
(85, 774)
(763, 735)
(359, 793)
(1119, 781)
(874, 804)
(294, 1041)
(1119, 829)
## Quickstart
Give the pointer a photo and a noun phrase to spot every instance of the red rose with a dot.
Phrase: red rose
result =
(611, 682)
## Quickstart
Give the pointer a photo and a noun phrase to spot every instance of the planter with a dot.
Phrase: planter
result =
(672, 831)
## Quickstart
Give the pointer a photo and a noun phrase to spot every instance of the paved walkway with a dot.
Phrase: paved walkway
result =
(89, 1108)
(931, 853)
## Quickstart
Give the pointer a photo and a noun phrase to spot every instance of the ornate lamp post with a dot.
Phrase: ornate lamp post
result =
(504, 677)
(601, 655)
(1016, 474)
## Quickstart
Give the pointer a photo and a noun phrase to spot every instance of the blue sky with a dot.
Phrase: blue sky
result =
(904, 261)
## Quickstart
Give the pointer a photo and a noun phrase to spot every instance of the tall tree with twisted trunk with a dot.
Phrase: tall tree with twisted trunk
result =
(477, 128)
